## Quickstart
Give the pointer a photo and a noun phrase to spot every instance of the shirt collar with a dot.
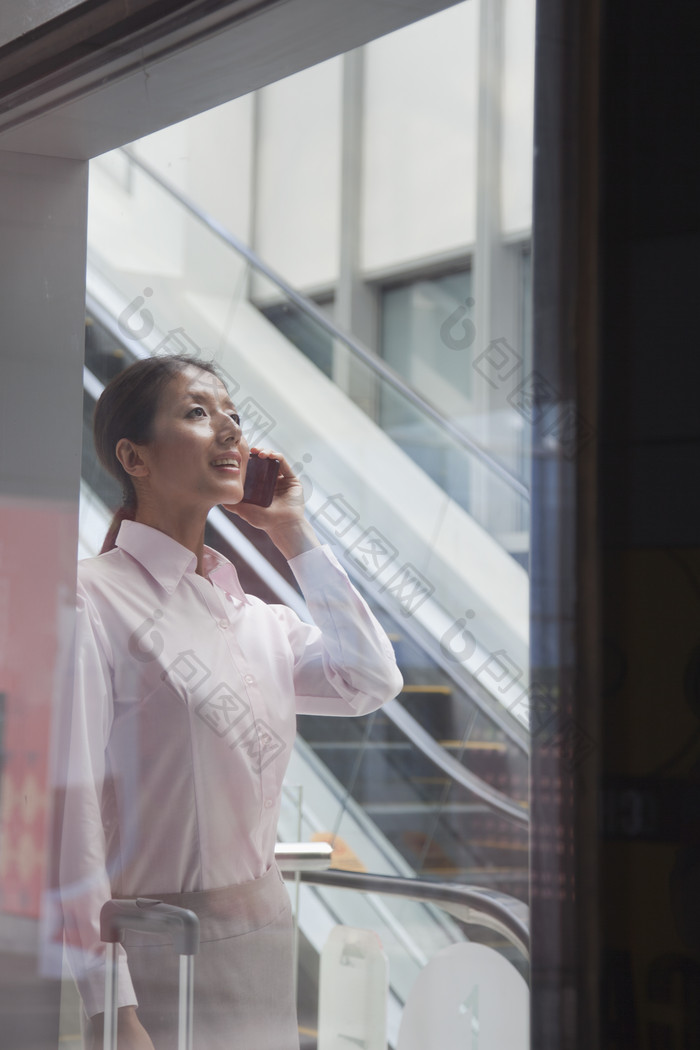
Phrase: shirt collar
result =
(168, 561)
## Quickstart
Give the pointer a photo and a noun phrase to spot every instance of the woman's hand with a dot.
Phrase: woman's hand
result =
(283, 520)
(131, 1035)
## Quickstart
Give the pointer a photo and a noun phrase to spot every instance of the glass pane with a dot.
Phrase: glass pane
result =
(431, 526)
(424, 326)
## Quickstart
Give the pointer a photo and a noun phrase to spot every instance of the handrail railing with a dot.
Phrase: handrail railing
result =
(471, 904)
(303, 856)
(376, 364)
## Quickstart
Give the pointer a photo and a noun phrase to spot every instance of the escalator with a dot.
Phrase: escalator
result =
(437, 780)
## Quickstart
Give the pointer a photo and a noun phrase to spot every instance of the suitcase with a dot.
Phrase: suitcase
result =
(152, 916)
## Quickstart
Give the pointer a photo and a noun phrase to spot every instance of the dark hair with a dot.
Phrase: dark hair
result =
(126, 409)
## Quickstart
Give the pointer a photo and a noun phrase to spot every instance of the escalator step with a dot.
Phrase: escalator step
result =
(474, 745)
(428, 689)
(488, 746)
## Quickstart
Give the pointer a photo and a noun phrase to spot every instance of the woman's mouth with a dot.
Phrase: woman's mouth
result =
(227, 464)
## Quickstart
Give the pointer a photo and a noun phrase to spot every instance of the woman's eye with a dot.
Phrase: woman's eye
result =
(198, 410)
(236, 418)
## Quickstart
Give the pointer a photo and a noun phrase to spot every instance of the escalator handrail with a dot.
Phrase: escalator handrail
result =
(376, 364)
(472, 904)
(428, 746)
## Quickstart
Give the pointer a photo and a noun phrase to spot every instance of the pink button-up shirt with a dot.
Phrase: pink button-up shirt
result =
(183, 718)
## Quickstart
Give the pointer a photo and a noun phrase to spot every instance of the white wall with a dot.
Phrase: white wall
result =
(298, 187)
(222, 182)
(210, 158)
(420, 140)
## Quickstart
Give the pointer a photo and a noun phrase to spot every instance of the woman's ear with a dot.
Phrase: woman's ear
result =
(131, 459)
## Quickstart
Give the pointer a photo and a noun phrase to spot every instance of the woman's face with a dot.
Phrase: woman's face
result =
(197, 455)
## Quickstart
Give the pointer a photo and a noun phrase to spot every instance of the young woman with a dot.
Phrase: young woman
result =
(183, 715)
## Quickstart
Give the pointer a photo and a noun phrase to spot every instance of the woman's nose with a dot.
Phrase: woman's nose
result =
(228, 429)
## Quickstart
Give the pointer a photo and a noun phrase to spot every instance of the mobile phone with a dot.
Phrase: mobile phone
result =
(260, 481)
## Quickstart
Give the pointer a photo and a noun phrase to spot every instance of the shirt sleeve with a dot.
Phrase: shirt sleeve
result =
(83, 876)
(344, 661)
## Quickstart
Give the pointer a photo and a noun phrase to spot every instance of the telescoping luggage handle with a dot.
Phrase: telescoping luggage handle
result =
(151, 916)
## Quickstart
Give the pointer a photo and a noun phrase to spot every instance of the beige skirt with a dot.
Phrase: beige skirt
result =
(243, 973)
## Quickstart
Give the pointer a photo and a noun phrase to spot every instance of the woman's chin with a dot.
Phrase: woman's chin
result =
(231, 494)
(232, 502)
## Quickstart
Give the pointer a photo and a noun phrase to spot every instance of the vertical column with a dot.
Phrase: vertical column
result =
(355, 304)
(495, 272)
(562, 403)
(43, 205)
(488, 163)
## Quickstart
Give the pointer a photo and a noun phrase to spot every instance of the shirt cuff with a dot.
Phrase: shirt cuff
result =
(310, 566)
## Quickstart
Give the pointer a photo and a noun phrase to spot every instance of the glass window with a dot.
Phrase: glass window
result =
(424, 325)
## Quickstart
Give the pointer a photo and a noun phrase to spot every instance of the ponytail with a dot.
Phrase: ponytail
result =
(125, 513)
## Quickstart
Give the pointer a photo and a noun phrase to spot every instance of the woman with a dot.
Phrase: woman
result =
(183, 715)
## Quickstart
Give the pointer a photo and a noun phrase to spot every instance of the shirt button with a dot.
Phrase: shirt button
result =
(269, 803)
(249, 679)
(223, 624)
